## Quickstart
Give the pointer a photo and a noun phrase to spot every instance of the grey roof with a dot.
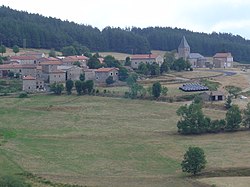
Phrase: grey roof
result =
(184, 43)
(195, 56)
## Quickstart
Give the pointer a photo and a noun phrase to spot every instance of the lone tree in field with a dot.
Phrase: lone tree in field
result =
(233, 118)
(233, 90)
(156, 89)
(194, 160)
(192, 121)
(69, 86)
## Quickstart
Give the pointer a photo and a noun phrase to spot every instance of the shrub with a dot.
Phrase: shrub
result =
(23, 95)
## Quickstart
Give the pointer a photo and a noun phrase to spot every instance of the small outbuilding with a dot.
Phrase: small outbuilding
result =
(212, 96)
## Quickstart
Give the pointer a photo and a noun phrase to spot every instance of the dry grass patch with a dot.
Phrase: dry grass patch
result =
(227, 181)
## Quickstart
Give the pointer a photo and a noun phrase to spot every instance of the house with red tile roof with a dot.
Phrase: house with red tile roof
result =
(102, 74)
(70, 60)
(32, 84)
(24, 59)
(21, 69)
(146, 59)
(51, 73)
(223, 60)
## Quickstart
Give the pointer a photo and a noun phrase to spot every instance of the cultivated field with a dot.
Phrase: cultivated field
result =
(100, 141)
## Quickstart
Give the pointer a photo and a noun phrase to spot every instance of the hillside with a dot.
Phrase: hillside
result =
(36, 31)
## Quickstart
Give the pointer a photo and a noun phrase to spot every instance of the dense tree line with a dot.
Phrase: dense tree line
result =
(36, 31)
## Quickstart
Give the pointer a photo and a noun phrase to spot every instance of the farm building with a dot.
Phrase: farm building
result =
(102, 74)
(31, 84)
(212, 96)
(146, 59)
(223, 60)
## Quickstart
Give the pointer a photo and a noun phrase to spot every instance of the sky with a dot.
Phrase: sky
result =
(230, 16)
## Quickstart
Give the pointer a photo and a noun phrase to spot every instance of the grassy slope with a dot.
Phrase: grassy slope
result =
(98, 141)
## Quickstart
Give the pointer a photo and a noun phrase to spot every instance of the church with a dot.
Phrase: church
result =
(195, 59)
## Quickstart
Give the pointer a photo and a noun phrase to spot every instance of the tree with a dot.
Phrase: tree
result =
(246, 116)
(15, 49)
(52, 52)
(164, 67)
(109, 80)
(233, 118)
(127, 61)
(143, 69)
(1, 60)
(110, 61)
(69, 86)
(233, 90)
(154, 69)
(94, 63)
(156, 89)
(164, 91)
(2, 49)
(194, 160)
(82, 77)
(11, 74)
(132, 78)
(89, 86)
(228, 102)
(78, 85)
(122, 74)
(68, 51)
(192, 121)
(57, 88)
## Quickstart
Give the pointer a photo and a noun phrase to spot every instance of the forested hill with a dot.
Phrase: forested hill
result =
(42, 32)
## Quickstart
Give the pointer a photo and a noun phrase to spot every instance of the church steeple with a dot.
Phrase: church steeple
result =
(184, 49)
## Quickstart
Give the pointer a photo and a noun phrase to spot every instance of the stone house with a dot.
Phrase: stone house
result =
(24, 59)
(102, 74)
(212, 96)
(89, 74)
(223, 60)
(21, 69)
(56, 76)
(34, 54)
(197, 60)
(50, 72)
(146, 59)
(69, 60)
(31, 84)
(72, 72)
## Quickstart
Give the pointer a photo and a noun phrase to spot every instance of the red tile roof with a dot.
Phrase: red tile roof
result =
(57, 71)
(144, 56)
(22, 58)
(17, 66)
(28, 77)
(51, 62)
(222, 55)
(106, 69)
(75, 58)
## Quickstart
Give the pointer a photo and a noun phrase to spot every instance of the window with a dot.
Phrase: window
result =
(111, 73)
(135, 62)
(116, 73)
(97, 78)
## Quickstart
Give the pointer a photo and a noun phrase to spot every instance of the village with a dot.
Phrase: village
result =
(38, 71)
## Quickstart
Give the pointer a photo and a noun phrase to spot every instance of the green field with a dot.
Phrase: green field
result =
(100, 141)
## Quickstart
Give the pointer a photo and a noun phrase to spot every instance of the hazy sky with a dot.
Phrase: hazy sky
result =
(231, 16)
